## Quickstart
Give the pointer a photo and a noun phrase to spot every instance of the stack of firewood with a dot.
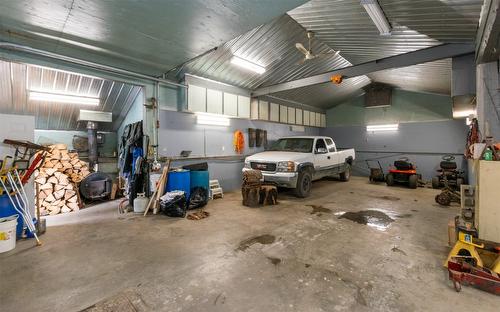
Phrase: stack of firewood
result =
(63, 161)
(57, 181)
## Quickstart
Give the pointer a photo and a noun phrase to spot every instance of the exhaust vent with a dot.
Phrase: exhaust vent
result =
(378, 95)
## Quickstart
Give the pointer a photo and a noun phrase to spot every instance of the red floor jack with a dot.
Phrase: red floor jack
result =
(462, 272)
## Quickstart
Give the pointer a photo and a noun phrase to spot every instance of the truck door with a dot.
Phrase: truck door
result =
(332, 151)
(322, 157)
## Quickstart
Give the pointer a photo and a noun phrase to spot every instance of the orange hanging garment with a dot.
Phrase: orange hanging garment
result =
(239, 141)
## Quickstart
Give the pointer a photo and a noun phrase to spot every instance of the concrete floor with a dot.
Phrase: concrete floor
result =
(309, 262)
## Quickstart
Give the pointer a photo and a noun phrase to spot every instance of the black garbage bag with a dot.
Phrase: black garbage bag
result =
(199, 197)
(174, 204)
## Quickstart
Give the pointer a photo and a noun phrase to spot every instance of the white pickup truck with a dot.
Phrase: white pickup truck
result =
(294, 162)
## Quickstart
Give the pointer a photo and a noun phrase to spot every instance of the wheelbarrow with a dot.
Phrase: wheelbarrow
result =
(376, 172)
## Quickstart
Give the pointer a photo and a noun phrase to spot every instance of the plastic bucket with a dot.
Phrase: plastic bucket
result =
(8, 233)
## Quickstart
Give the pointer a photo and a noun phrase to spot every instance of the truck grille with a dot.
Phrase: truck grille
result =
(263, 166)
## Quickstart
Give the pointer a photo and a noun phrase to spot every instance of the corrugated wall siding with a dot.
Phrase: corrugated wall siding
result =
(16, 79)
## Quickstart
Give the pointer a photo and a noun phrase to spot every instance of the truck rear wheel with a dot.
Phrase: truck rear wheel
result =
(304, 183)
(344, 176)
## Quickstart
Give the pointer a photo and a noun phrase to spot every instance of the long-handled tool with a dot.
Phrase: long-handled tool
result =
(19, 200)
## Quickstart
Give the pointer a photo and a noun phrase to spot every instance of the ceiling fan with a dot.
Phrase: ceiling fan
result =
(308, 53)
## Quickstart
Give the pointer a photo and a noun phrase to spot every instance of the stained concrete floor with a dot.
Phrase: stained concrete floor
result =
(296, 256)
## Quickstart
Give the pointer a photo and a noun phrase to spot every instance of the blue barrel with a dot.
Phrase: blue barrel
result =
(200, 178)
(7, 210)
(179, 181)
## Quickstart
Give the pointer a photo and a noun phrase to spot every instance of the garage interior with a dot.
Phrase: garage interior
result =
(324, 155)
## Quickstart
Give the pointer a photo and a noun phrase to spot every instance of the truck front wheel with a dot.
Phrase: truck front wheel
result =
(304, 183)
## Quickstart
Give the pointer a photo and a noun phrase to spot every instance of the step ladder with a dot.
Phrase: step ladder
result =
(215, 189)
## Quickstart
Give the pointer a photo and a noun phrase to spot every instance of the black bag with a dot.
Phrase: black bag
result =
(199, 197)
(176, 207)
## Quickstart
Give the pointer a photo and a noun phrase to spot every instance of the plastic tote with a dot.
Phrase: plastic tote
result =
(8, 233)
(6, 210)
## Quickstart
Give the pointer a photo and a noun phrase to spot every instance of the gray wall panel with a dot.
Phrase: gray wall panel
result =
(423, 142)
(179, 131)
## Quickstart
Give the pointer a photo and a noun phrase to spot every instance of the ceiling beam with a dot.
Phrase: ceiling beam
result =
(488, 33)
(402, 60)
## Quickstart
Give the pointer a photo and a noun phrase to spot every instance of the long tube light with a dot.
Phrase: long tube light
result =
(375, 12)
(464, 113)
(63, 98)
(212, 119)
(238, 61)
(389, 127)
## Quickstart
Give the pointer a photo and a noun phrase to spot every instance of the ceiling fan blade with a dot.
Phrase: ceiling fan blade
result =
(331, 53)
(301, 48)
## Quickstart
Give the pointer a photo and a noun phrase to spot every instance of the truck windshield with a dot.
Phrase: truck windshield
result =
(299, 145)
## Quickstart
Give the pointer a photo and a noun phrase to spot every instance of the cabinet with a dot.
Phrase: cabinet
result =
(488, 200)
(243, 106)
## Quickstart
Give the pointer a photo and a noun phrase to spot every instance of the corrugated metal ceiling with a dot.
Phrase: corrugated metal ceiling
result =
(145, 36)
(273, 46)
(417, 24)
(16, 79)
(345, 25)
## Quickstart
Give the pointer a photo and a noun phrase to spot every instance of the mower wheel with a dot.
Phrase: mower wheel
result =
(413, 181)
(435, 182)
(389, 179)
(443, 199)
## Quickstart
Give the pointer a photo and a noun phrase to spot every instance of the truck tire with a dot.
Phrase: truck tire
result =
(346, 175)
(389, 179)
(435, 182)
(304, 184)
(413, 181)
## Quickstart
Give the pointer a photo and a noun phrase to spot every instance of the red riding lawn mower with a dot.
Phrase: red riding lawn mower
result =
(403, 172)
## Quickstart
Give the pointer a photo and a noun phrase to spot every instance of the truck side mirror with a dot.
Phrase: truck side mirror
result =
(321, 150)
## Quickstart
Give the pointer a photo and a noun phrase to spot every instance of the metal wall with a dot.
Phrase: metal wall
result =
(16, 79)
(179, 131)
(424, 143)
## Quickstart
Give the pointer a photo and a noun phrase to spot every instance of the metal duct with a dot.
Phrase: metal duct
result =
(92, 136)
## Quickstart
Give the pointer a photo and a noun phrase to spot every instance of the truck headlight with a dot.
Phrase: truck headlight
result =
(247, 164)
(285, 166)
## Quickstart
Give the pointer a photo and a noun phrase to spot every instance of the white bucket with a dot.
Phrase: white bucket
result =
(8, 233)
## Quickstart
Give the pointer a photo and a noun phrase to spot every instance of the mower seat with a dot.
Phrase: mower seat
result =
(448, 165)
(403, 165)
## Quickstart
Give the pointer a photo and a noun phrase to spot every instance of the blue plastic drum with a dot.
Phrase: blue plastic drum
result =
(179, 181)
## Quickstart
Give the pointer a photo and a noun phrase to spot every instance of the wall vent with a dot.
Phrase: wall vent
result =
(378, 95)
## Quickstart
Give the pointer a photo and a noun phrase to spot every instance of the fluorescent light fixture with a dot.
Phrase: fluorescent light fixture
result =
(63, 98)
(212, 119)
(389, 127)
(377, 15)
(463, 113)
(238, 61)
